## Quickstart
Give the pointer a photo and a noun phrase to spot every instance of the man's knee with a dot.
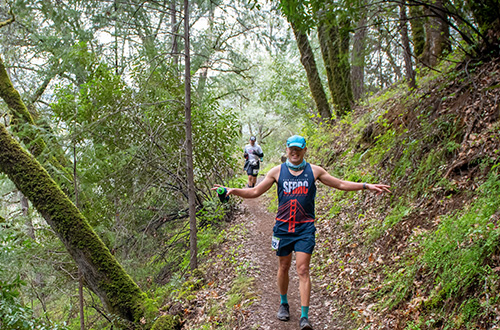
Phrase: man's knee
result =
(284, 266)
(303, 270)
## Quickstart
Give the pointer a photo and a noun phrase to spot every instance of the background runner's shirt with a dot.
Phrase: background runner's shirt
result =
(249, 149)
(296, 201)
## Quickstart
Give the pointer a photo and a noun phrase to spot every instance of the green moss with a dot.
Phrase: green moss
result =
(20, 113)
(167, 322)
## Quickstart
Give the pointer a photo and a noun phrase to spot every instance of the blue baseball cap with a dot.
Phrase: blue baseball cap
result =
(252, 138)
(296, 141)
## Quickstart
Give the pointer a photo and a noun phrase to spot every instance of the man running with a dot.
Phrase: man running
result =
(252, 153)
(294, 229)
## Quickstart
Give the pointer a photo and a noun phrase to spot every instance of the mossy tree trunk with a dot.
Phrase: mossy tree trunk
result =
(103, 275)
(417, 29)
(334, 39)
(437, 33)
(22, 120)
(309, 63)
(358, 59)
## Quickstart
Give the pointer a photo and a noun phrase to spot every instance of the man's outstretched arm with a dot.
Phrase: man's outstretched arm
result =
(322, 175)
(255, 192)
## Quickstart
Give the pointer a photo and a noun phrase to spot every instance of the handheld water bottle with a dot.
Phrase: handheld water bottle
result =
(222, 192)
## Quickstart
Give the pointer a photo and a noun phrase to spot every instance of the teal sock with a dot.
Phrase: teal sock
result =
(305, 312)
(284, 298)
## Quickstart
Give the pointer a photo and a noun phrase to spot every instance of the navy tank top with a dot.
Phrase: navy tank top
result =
(296, 196)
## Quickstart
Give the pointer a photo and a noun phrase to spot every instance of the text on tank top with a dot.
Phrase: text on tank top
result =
(296, 196)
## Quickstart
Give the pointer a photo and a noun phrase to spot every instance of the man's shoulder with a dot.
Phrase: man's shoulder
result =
(317, 170)
(314, 166)
(275, 172)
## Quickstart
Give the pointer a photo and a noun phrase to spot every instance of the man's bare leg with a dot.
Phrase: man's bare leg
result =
(303, 260)
(250, 181)
(283, 280)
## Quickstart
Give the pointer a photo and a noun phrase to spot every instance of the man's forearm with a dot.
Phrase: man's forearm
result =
(352, 186)
(244, 193)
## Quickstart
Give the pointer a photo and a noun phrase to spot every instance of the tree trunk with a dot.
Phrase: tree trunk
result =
(403, 19)
(417, 29)
(20, 113)
(103, 275)
(437, 34)
(358, 59)
(344, 69)
(323, 42)
(30, 230)
(174, 31)
(315, 85)
(193, 241)
(334, 39)
(23, 122)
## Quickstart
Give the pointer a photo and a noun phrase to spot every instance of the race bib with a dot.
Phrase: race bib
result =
(275, 243)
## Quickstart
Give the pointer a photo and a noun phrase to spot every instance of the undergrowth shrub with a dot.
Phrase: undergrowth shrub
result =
(457, 250)
(457, 257)
(14, 314)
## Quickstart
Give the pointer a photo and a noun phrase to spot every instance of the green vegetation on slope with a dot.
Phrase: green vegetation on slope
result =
(427, 256)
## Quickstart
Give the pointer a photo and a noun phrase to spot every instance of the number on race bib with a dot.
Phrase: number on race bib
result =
(275, 243)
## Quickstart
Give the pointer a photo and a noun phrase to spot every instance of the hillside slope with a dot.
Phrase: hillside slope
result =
(426, 257)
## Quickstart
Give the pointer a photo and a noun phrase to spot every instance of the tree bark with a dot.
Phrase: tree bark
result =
(323, 42)
(358, 59)
(437, 40)
(334, 40)
(193, 241)
(103, 275)
(20, 113)
(417, 29)
(315, 85)
(23, 122)
(403, 19)
(30, 230)
(174, 31)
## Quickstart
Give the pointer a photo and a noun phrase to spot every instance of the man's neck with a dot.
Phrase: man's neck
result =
(296, 166)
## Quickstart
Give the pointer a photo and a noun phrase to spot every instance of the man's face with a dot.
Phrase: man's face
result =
(296, 154)
(252, 142)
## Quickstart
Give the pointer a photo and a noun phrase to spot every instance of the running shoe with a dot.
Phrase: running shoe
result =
(284, 312)
(304, 324)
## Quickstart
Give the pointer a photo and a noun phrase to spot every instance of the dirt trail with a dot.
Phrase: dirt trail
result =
(263, 313)
(260, 225)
